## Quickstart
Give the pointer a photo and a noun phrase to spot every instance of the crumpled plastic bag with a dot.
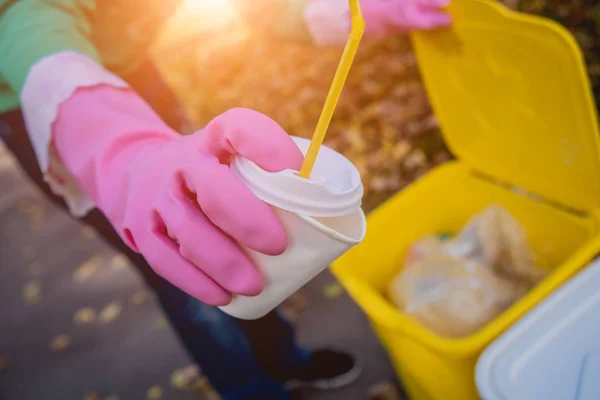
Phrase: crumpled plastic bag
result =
(456, 286)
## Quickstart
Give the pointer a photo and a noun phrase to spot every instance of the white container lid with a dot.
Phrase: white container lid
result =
(553, 353)
(334, 188)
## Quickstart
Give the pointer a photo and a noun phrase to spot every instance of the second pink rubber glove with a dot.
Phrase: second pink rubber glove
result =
(173, 198)
(329, 20)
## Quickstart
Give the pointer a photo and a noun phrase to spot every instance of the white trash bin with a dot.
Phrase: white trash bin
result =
(553, 353)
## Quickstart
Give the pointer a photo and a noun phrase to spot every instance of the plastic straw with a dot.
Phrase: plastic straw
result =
(356, 33)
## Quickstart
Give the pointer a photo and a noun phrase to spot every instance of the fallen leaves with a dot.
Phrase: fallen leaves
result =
(203, 387)
(184, 377)
(37, 217)
(91, 396)
(333, 291)
(96, 396)
(4, 364)
(32, 292)
(299, 301)
(139, 298)
(190, 378)
(110, 312)
(384, 391)
(416, 159)
(60, 343)
(119, 261)
(88, 233)
(87, 269)
(160, 323)
(84, 316)
(154, 393)
(293, 307)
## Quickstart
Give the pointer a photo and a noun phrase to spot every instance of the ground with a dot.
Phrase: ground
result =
(77, 323)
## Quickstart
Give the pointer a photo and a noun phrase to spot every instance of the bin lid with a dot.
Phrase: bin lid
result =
(553, 353)
(514, 101)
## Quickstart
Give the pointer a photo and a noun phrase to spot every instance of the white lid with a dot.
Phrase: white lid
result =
(553, 353)
(334, 189)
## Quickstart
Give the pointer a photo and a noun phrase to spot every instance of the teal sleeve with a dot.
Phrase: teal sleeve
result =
(33, 29)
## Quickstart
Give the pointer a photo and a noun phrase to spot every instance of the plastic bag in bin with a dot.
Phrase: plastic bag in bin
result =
(455, 286)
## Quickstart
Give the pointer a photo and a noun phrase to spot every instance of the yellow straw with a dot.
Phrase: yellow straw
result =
(358, 28)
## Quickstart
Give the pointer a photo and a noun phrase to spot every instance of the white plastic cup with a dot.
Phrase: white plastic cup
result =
(322, 216)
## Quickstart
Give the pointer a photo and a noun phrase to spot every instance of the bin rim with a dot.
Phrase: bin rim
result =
(382, 313)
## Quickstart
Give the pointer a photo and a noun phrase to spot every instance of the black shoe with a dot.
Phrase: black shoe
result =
(326, 370)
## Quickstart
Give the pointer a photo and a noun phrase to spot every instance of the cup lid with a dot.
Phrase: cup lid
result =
(334, 188)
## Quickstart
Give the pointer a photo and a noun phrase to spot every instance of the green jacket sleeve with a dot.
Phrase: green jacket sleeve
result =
(33, 29)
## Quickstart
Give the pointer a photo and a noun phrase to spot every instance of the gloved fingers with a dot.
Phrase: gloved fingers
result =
(229, 205)
(420, 18)
(432, 19)
(206, 246)
(162, 254)
(253, 136)
(432, 4)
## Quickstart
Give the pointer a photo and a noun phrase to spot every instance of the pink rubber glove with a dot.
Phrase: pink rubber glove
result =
(329, 20)
(173, 198)
(384, 17)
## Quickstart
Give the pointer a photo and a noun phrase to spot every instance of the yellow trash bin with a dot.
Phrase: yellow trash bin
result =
(515, 106)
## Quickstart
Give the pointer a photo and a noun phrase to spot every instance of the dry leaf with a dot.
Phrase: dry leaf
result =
(87, 232)
(110, 312)
(184, 377)
(289, 313)
(4, 364)
(154, 393)
(32, 292)
(60, 343)
(139, 298)
(28, 252)
(91, 396)
(415, 159)
(37, 217)
(400, 151)
(203, 387)
(84, 316)
(120, 261)
(160, 322)
(298, 301)
(384, 391)
(333, 290)
(88, 269)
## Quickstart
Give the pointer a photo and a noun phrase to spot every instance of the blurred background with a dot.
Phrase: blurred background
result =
(76, 322)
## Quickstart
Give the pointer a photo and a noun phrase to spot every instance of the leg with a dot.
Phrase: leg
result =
(274, 344)
(223, 351)
(211, 338)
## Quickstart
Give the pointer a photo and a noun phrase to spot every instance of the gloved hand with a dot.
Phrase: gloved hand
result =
(329, 20)
(173, 198)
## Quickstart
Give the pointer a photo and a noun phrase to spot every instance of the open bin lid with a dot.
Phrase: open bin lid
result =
(553, 353)
(514, 101)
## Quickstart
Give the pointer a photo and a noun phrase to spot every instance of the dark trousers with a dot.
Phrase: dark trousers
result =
(242, 359)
